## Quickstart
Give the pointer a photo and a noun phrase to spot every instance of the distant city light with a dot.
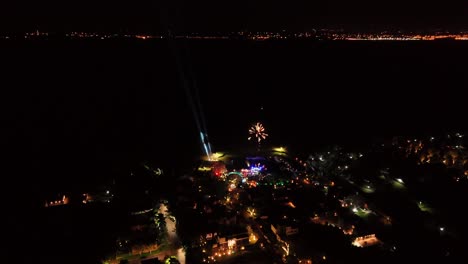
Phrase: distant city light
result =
(204, 142)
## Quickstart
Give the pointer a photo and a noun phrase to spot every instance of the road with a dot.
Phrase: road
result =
(174, 242)
(174, 248)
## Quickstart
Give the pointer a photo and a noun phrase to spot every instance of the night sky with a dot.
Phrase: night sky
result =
(209, 15)
(90, 110)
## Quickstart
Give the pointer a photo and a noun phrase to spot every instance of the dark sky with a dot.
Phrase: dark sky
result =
(210, 15)
(88, 109)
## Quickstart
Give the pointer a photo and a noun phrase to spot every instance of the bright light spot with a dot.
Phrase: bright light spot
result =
(355, 210)
(216, 156)
(280, 149)
(251, 211)
(204, 168)
(169, 260)
(365, 241)
(256, 169)
(399, 180)
(107, 192)
(231, 243)
(252, 238)
(324, 257)
(442, 229)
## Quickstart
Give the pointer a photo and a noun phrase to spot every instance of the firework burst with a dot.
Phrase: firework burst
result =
(257, 132)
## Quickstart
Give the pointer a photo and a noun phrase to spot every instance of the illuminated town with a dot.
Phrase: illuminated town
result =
(320, 34)
(231, 132)
(267, 205)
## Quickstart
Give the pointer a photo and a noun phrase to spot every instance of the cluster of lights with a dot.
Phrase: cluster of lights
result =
(256, 169)
(57, 202)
